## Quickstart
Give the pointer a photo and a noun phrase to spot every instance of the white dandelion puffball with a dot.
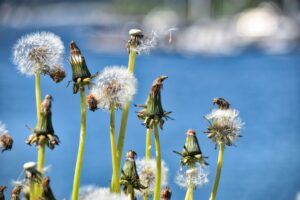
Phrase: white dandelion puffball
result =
(197, 176)
(3, 129)
(147, 43)
(38, 51)
(227, 122)
(147, 173)
(91, 192)
(114, 85)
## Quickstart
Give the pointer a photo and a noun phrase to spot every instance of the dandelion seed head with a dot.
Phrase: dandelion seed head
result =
(225, 125)
(29, 165)
(196, 177)
(147, 43)
(38, 52)
(91, 192)
(115, 85)
(147, 173)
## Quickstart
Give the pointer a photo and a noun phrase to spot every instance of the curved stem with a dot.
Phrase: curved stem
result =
(158, 164)
(122, 132)
(218, 174)
(76, 182)
(115, 183)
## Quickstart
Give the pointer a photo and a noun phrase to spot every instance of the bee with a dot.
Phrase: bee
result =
(136, 37)
(222, 103)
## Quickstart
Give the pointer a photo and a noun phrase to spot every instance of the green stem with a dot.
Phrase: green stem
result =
(218, 174)
(31, 190)
(40, 166)
(148, 144)
(130, 192)
(76, 182)
(158, 164)
(115, 183)
(38, 94)
(122, 132)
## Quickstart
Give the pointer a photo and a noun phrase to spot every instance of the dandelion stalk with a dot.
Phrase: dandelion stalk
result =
(124, 119)
(78, 167)
(38, 94)
(115, 185)
(158, 164)
(218, 174)
(148, 153)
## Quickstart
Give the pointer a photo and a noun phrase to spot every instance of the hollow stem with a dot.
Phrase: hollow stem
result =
(218, 174)
(31, 190)
(130, 193)
(122, 131)
(148, 144)
(38, 94)
(158, 164)
(115, 183)
(40, 167)
(76, 182)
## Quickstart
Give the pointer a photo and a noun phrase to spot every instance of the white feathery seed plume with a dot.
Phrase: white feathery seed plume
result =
(147, 173)
(226, 123)
(37, 52)
(91, 192)
(197, 176)
(114, 85)
(147, 43)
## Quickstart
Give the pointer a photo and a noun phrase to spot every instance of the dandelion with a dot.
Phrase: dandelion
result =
(166, 194)
(97, 193)
(6, 141)
(191, 156)
(147, 172)
(2, 189)
(139, 43)
(224, 129)
(195, 177)
(114, 86)
(38, 53)
(81, 78)
(31, 173)
(153, 115)
(129, 177)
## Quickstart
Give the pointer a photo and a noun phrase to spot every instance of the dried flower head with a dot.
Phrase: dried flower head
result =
(224, 123)
(38, 52)
(166, 194)
(147, 173)
(129, 174)
(139, 43)
(2, 189)
(81, 75)
(31, 173)
(92, 192)
(196, 176)
(44, 132)
(47, 191)
(191, 152)
(6, 141)
(57, 73)
(153, 112)
(15, 193)
(114, 86)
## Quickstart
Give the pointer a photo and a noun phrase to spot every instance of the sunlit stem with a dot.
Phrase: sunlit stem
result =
(115, 183)
(218, 174)
(130, 191)
(76, 182)
(40, 167)
(158, 164)
(147, 154)
(31, 190)
(38, 94)
(122, 132)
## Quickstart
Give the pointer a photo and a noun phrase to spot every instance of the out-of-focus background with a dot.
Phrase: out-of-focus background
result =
(245, 51)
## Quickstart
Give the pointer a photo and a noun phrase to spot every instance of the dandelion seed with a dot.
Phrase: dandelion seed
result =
(38, 52)
(197, 176)
(6, 141)
(92, 192)
(147, 173)
(115, 85)
(140, 43)
(170, 31)
(224, 123)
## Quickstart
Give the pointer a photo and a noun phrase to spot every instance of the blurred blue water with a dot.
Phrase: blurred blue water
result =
(265, 88)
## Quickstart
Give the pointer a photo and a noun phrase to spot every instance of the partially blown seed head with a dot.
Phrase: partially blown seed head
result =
(196, 176)
(92, 192)
(38, 52)
(113, 86)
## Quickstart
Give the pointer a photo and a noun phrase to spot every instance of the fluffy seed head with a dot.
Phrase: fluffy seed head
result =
(92, 192)
(147, 173)
(197, 176)
(115, 85)
(224, 126)
(38, 52)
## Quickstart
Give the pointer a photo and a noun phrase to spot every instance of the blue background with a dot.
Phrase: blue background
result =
(265, 88)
